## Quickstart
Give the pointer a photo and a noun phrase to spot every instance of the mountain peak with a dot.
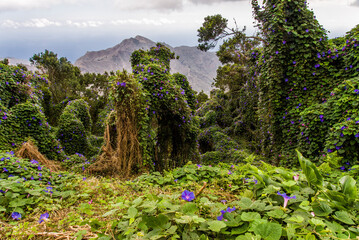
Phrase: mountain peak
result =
(199, 67)
(142, 39)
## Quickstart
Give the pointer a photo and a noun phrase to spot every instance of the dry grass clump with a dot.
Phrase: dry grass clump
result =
(30, 151)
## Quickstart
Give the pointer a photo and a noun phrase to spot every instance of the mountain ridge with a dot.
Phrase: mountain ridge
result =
(199, 67)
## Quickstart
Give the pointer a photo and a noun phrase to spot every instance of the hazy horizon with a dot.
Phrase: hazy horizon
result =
(70, 28)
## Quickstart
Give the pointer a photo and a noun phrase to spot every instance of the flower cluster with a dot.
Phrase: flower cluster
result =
(228, 210)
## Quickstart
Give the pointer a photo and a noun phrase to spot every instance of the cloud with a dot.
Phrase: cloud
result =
(13, 5)
(153, 4)
(143, 21)
(355, 3)
(208, 2)
(33, 23)
(84, 24)
(43, 22)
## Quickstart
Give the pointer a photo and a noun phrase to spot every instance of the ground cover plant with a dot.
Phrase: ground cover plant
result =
(242, 201)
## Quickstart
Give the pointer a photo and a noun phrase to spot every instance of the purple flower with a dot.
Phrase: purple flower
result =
(286, 198)
(187, 195)
(199, 165)
(16, 216)
(220, 218)
(123, 84)
(34, 161)
(357, 135)
(43, 217)
(294, 62)
(231, 209)
(356, 91)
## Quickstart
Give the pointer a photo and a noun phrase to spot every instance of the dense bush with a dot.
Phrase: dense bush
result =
(73, 129)
(22, 114)
(334, 124)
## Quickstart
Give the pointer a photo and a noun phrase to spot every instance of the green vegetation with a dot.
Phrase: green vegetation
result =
(271, 154)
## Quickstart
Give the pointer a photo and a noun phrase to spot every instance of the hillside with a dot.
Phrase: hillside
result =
(200, 67)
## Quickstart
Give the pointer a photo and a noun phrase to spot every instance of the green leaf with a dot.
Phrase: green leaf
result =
(349, 187)
(109, 213)
(334, 226)
(343, 217)
(316, 222)
(245, 203)
(189, 208)
(241, 229)
(277, 213)
(132, 212)
(296, 218)
(289, 183)
(250, 216)
(310, 171)
(269, 231)
(248, 236)
(216, 226)
(321, 209)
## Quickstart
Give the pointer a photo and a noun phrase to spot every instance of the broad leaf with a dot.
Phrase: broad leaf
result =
(269, 231)
(216, 226)
(310, 171)
(349, 187)
(250, 216)
(343, 217)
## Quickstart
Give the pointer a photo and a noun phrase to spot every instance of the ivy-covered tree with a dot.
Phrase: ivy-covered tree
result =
(291, 74)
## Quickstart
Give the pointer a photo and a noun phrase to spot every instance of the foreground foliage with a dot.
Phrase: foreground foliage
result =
(242, 201)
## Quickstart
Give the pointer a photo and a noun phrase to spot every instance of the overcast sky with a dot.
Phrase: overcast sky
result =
(72, 27)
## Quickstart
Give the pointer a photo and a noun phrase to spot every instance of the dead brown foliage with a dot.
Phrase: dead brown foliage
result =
(121, 154)
(30, 151)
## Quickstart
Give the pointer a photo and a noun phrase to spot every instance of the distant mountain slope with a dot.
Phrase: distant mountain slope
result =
(16, 61)
(199, 67)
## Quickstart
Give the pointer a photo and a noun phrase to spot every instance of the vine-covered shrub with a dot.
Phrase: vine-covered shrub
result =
(182, 81)
(21, 113)
(299, 68)
(27, 120)
(333, 125)
(169, 99)
(80, 110)
(215, 111)
(76, 162)
(15, 85)
(152, 124)
(73, 129)
(100, 124)
(216, 146)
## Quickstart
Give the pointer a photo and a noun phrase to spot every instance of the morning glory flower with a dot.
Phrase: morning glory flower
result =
(187, 195)
(16, 216)
(286, 198)
(43, 217)
(34, 161)
(296, 177)
(220, 218)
